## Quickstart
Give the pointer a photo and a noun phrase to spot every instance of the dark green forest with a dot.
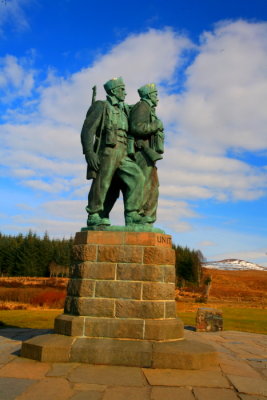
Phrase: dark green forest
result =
(188, 265)
(30, 255)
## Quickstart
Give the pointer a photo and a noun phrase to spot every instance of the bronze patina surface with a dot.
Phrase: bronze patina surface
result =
(121, 149)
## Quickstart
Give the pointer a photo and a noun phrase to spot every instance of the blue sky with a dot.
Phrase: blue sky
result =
(209, 60)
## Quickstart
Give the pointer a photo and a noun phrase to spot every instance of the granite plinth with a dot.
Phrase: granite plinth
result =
(120, 307)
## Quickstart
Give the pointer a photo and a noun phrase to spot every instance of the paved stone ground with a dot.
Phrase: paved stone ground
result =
(240, 375)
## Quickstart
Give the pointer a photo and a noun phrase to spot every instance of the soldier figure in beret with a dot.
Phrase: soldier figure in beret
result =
(104, 140)
(147, 129)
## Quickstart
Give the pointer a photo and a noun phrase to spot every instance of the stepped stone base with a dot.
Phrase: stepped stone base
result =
(179, 354)
(120, 307)
(121, 328)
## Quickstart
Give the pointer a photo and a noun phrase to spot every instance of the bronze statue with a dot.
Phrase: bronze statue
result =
(104, 139)
(147, 129)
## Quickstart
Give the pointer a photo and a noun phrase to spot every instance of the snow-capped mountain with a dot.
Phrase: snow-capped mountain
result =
(233, 264)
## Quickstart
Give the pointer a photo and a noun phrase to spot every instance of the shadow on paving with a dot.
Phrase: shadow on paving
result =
(190, 328)
(16, 333)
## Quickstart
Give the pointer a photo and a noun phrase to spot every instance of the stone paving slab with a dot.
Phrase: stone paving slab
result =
(24, 368)
(10, 388)
(258, 363)
(88, 395)
(89, 387)
(22, 333)
(248, 397)
(12, 332)
(108, 375)
(61, 369)
(249, 385)
(126, 393)
(6, 355)
(48, 388)
(243, 351)
(171, 377)
(238, 368)
(212, 394)
(171, 393)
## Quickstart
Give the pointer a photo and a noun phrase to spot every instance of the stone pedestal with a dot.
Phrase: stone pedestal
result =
(120, 307)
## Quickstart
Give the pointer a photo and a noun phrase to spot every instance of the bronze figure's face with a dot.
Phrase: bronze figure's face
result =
(154, 98)
(119, 92)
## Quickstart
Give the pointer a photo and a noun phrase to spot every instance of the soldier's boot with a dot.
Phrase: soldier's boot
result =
(133, 218)
(96, 220)
(148, 220)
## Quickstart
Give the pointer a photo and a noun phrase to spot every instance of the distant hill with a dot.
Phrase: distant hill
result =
(232, 264)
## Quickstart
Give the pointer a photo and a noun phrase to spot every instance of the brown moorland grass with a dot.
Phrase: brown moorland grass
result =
(234, 286)
(23, 293)
(244, 285)
(242, 295)
(28, 281)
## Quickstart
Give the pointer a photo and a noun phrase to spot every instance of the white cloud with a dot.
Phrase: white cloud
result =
(172, 214)
(16, 78)
(12, 13)
(66, 209)
(23, 172)
(55, 187)
(148, 57)
(222, 107)
(187, 174)
(45, 139)
(186, 191)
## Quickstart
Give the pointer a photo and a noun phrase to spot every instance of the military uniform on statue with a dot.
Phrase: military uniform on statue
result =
(104, 141)
(147, 129)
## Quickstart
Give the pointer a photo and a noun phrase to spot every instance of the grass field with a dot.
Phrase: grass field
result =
(35, 319)
(236, 319)
(239, 319)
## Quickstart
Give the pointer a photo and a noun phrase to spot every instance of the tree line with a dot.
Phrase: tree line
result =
(30, 255)
(188, 265)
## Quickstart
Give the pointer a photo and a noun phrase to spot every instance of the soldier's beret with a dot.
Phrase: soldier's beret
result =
(113, 83)
(146, 89)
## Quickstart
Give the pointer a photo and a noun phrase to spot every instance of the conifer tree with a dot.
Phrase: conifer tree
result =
(188, 264)
(31, 255)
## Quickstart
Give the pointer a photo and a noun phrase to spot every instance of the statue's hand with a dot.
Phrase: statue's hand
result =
(92, 160)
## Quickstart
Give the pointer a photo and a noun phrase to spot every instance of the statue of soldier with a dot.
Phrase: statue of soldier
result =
(104, 140)
(147, 130)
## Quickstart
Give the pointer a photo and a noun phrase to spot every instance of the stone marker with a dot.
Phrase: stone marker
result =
(209, 320)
